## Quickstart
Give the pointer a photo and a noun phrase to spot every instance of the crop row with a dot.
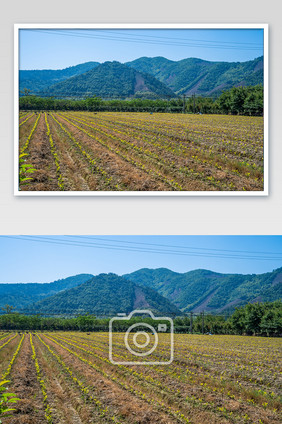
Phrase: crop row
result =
(172, 183)
(97, 168)
(41, 381)
(84, 389)
(193, 371)
(221, 136)
(125, 385)
(178, 158)
(157, 380)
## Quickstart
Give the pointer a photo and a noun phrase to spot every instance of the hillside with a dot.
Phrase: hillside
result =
(106, 294)
(112, 80)
(196, 76)
(148, 77)
(22, 295)
(206, 290)
(39, 80)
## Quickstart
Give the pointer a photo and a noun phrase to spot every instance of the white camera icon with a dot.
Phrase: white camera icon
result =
(141, 339)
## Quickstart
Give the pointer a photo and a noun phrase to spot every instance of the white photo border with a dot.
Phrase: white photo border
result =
(263, 26)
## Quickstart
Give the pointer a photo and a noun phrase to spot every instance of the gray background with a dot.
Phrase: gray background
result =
(143, 215)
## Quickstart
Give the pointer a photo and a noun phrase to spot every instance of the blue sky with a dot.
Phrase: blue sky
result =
(48, 258)
(60, 48)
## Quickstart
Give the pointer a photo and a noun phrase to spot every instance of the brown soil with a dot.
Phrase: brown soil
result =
(128, 176)
(123, 403)
(40, 157)
(29, 409)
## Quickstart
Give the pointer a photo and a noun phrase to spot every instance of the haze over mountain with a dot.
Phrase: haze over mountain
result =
(147, 77)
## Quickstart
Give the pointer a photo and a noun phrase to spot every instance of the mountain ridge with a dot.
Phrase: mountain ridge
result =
(106, 294)
(20, 295)
(202, 289)
(112, 79)
(183, 77)
(193, 291)
(197, 76)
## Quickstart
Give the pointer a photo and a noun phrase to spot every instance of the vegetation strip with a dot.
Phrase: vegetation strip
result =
(139, 165)
(26, 120)
(141, 377)
(8, 370)
(24, 148)
(84, 389)
(55, 156)
(8, 341)
(40, 379)
(171, 411)
(91, 161)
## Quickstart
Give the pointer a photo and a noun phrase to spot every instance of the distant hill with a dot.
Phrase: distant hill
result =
(40, 80)
(210, 291)
(197, 76)
(21, 295)
(112, 80)
(105, 294)
(147, 77)
(161, 290)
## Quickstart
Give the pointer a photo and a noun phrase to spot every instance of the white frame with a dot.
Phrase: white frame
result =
(18, 27)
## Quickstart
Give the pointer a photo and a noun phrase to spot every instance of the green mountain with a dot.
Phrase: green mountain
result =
(40, 80)
(197, 76)
(203, 290)
(147, 77)
(105, 294)
(112, 80)
(23, 294)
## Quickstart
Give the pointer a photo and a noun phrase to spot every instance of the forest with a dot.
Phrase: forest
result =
(235, 101)
(259, 319)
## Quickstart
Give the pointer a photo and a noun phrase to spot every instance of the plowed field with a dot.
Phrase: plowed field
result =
(104, 151)
(68, 378)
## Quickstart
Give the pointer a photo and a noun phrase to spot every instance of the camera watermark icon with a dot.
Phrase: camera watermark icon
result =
(141, 339)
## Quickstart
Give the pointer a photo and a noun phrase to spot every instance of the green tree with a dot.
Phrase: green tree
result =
(7, 308)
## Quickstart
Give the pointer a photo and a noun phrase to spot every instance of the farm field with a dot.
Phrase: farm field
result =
(119, 151)
(66, 377)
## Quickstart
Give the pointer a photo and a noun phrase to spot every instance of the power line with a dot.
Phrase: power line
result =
(175, 246)
(144, 41)
(177, 38)
(57, 241)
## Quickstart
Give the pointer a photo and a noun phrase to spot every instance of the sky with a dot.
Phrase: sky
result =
(60, 48)
(48, 258)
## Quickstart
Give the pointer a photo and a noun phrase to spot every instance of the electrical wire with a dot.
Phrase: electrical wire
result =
(69, 33)
(57, 241)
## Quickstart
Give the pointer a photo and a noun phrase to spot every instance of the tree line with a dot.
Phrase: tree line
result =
(235, 101)
(260, 319)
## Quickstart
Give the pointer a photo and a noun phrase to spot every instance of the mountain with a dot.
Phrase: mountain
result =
(203, 290)
(40, 80)
(112, 80)
(147, 77)
(21, 295)
(105, 294)
(197, 76)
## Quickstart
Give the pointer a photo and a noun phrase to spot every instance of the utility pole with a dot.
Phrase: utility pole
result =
(194, 103)
(183, 103)
(203, 321)
(191, 322)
